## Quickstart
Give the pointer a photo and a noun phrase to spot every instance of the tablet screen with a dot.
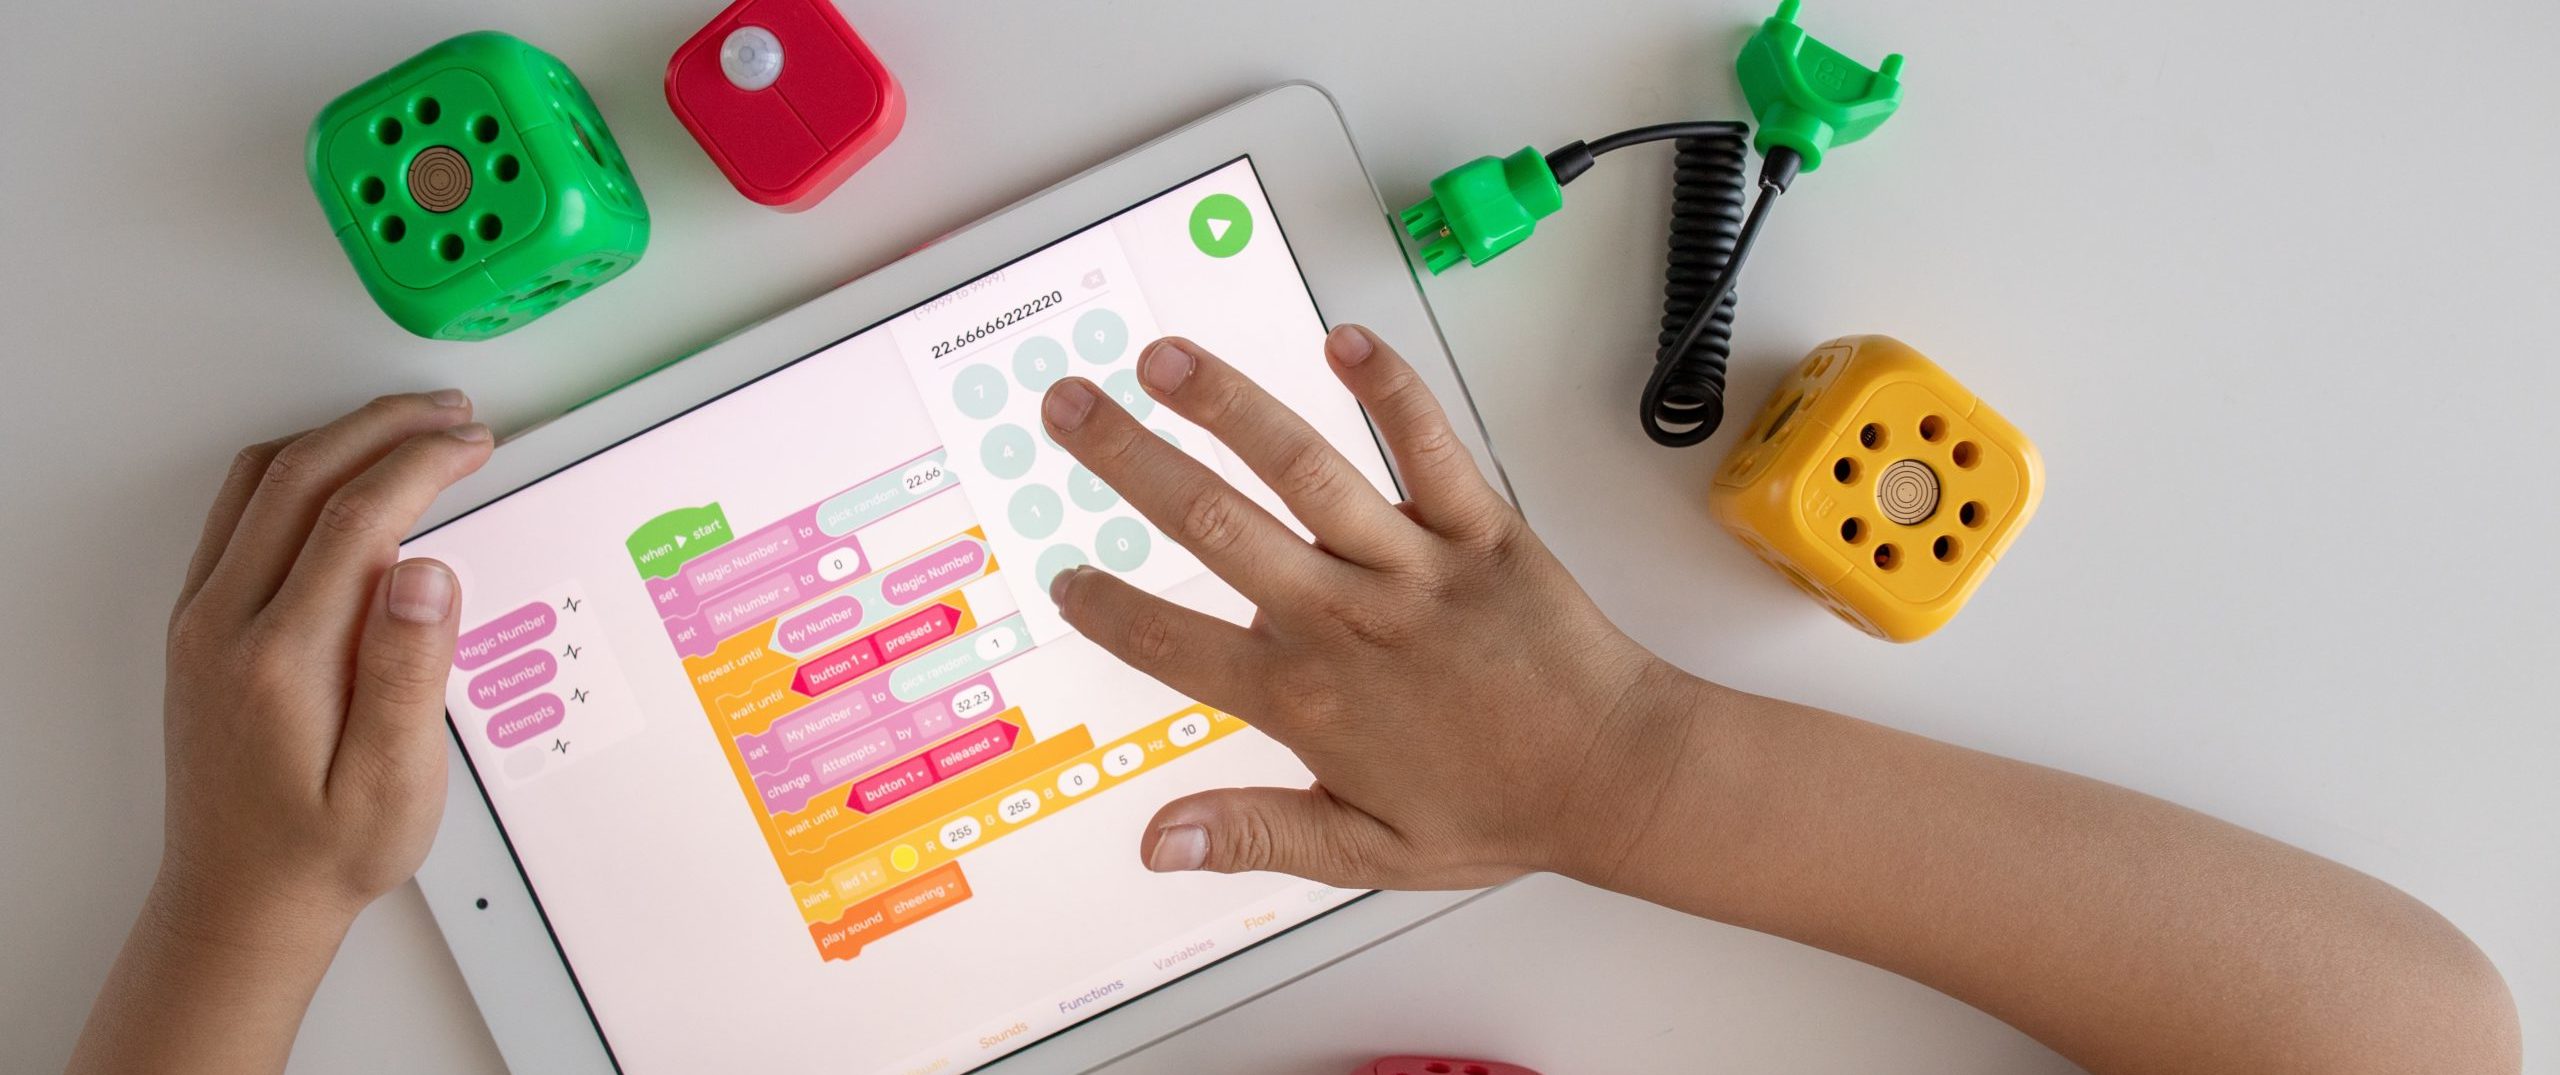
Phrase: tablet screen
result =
(799, 761)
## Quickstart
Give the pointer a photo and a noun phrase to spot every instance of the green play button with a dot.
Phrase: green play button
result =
(1220, 225)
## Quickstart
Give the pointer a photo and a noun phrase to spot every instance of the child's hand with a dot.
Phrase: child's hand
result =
(305, 721)
(305, 710)
(1469, 714)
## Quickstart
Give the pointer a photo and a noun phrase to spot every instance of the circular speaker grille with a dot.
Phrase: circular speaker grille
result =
(1907, 492)
(439, 179)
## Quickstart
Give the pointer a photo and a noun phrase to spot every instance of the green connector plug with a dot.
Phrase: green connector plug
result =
(1807, 96)
(1481, 208)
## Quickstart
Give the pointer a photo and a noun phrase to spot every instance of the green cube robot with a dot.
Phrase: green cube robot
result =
(476, 188)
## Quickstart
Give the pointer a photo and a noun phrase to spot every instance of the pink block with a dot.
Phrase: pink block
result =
(512, 680)
(835, 668)
(961, 559)
(873, 793)
(504, 635)
(534, 716)
(818, 724)
(741, 559)
(820, 624)
(972, 748)
(916, 632)
(801, 730)
(731, 614)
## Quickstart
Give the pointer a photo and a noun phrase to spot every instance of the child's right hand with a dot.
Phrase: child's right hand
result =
(1469, 714)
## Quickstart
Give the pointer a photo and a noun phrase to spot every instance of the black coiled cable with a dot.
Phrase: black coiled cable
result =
(1710, 237)
(1687, 388)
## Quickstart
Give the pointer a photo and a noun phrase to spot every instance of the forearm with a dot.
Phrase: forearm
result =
(209, 982)
(2127, 933)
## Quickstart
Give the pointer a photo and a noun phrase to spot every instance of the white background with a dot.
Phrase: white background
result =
(2269, 284)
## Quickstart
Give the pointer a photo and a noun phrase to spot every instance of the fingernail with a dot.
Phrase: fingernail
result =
(1351, 345)
(1069, 401)
(1166, 365)
(1058, 586)
(469, 432)
(1179, 847)
(449, 397)
(421, 592)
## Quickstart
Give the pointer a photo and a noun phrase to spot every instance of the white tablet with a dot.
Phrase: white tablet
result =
(771, 753)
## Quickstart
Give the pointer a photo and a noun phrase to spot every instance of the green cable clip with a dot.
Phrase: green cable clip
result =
(1806, 95)
(1483, 207)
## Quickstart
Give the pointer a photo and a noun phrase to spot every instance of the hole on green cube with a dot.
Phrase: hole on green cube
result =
(484, 128)
(426, 109)
(370, 190)
(488, 227)
(508, 167)
(547, 290)
(449, 247)
(388, 130)
(595, 266)
(578, 132)
(392, 228)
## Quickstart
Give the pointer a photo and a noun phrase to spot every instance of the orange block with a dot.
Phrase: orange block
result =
(741, 660)
(800, 839)
(927, 895)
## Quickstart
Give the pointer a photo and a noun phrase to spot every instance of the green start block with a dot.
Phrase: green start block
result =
(475, 188)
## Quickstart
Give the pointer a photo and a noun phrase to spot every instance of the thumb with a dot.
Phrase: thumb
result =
(395, 718)
(1302, 831)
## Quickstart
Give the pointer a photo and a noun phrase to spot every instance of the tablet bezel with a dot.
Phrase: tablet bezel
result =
(1353, 260)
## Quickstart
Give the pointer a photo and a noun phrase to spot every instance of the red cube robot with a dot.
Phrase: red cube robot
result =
(785, 98)
(1439, 1065)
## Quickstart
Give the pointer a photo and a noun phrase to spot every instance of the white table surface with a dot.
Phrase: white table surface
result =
(2270, 284)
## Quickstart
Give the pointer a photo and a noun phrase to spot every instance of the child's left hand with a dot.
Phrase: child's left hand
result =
(305, 732)
(305, 712)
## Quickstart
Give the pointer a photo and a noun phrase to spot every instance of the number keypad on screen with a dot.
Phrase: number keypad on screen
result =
(1043, 512)
(1048, 497)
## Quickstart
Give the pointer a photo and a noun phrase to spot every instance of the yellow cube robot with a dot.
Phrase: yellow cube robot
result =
(1880, 486)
